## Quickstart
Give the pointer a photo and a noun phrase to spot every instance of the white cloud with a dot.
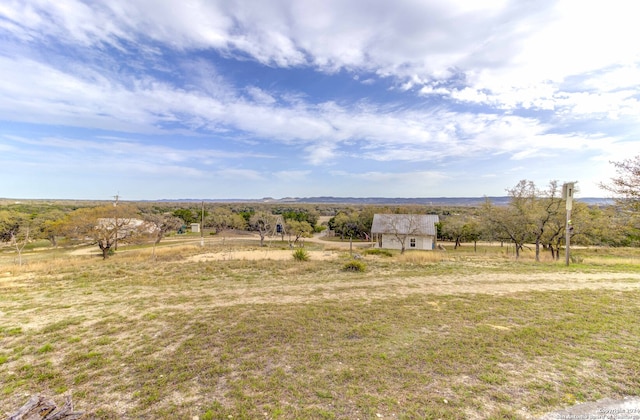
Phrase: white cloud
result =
(240, 174)
(320, 153)
(40, 93)
(511, 54)
(127, 155)
(260, 96)
(289, 176)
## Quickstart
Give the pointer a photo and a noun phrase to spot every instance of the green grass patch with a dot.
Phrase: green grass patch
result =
(46, 348)
(378, 252)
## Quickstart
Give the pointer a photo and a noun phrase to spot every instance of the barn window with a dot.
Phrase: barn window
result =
(412, 242)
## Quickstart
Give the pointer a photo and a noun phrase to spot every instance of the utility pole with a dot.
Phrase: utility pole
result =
(567, 194)
(202, 226)
(115, 205)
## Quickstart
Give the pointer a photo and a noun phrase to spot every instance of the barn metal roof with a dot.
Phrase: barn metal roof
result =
(405, 224)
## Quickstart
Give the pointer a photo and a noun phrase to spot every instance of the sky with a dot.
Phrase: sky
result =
(244, 99)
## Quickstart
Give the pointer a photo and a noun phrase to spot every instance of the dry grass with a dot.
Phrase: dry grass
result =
(474, 335)
(421, 257)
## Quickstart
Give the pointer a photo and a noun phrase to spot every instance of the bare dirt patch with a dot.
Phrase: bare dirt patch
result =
(266, 254)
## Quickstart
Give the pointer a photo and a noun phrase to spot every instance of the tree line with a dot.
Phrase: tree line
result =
(534, 216)
(107, 225)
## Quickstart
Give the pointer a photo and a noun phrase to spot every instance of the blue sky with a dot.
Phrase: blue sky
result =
(153, 99)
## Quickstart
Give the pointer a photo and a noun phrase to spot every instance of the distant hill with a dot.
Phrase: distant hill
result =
(427, 201)
(435, 201)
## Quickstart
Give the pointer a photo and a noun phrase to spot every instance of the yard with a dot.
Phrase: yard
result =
(232, 331)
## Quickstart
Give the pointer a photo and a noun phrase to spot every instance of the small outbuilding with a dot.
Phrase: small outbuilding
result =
(405, 231)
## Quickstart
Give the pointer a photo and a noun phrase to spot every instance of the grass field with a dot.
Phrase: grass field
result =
(456, 334)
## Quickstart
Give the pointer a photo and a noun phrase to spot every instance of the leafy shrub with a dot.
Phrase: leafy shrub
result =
(319, 228)
(354, 265)
(378, 251)
(576, 259)
(301, 254)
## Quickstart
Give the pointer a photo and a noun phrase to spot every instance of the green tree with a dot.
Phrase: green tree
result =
(98, 225)
(299, 229)
(365, 221)
(298, 214)
(460, 228)
(606, 225)
(222, 218)
(50, 225)
(187, 215)
(346, 225)
(512, 222)
(10, 223)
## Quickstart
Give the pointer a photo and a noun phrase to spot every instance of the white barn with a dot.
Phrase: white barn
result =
(405, 231)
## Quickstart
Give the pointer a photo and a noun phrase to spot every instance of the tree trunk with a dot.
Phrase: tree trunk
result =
(105, 250)
(41, 408)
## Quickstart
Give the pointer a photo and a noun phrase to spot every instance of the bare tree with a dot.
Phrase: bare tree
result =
(547, 207)
(20, 239)
(159, 225)
(403, 226)
(626, 188)
(15, 230)
(528, 218)
(263, 223)
(513, 222)
(504, 224)
(589, 226)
